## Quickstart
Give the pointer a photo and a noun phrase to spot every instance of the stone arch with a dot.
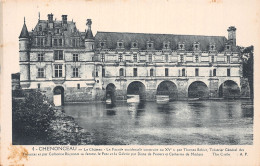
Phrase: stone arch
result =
(111, 92)
(168, 88)
(198, 89)
(229, 89)
(58, 96)
(136, 88)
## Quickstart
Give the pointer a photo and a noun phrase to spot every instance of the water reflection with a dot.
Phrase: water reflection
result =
(110, 108)
(183, 122)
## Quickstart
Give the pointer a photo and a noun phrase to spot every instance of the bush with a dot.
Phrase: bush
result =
(31, 119)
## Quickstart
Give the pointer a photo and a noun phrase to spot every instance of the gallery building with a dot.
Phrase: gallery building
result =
(56, 58)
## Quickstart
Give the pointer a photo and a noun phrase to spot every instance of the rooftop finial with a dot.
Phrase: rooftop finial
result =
(39, 15)
(89, 22)
(24, 20)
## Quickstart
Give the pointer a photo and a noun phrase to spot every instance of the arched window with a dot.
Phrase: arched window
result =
(121, 72)
(151, 72)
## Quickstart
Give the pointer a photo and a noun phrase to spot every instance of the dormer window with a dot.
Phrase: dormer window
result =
(212, 47)
(102, 44)
(120, 44)
(181, 46)
(228, 47)
(134, 44)
(166, 45)
(196, 46)
(149, 45)
(40, 28)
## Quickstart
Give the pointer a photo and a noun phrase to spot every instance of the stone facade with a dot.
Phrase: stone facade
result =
(56, 58)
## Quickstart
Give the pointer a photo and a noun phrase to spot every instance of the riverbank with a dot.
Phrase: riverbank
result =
(36, 121)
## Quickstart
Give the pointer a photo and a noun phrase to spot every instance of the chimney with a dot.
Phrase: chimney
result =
(64, 19)
(232, 35)
(50, 18)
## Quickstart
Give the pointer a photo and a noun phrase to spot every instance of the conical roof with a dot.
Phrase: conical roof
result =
(24, 33)
(89, 34)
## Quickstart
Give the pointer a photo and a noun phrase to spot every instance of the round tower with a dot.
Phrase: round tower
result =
(24, 57)
(89, 39)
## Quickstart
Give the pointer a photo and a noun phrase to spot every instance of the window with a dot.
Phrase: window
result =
(103, 72)
(166, 58)
(228, 59)
(135, 72)
(102, 44)
(228, 72)
(135, 58)
(183, 72)
(212, 47)
(40, 28)
(40, 72)
(74, 42)
(196, 46)
(212, 58)
(150, 58)
(39, 86)
(214, 72)
(120, 58)
(40, 41)
(75, 57)
(78, 86)
(58, 70)
(40, 57)
(181, 58)
(60, 42)
(96, 73)
(166, 46)
(196, 58)
(181, 46)
(58, 55)
(55, 42)
(121, 72)
(120, 44)
(149, 45)
(166, 72)
(102, 58)
(228, 47)
(196, 72)
(134, 45)
(75, 72)
(151, 72)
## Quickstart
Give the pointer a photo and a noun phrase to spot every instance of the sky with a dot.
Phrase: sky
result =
(200, 17)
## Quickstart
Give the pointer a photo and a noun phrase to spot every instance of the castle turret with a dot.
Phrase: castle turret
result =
(24, 56)
(89, 39)
(232, 35)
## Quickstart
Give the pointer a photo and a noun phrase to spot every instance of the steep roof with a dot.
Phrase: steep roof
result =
(111, 39)
(89, 34)
(24, 33)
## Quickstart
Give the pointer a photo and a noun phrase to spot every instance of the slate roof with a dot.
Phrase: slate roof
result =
(24, 33)
(89, 35)
(111, 39)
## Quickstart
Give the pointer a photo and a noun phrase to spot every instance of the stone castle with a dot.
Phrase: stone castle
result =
(56, 58)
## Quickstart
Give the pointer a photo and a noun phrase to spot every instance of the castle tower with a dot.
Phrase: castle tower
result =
(89, 39)
(232, 35)
(24, 57)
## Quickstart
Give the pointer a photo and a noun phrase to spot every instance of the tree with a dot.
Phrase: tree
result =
(31, 119)
(248, 67)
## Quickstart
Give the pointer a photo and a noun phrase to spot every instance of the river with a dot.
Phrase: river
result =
(176, 123)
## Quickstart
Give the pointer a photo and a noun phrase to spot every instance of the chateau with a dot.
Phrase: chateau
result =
(57, 59)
